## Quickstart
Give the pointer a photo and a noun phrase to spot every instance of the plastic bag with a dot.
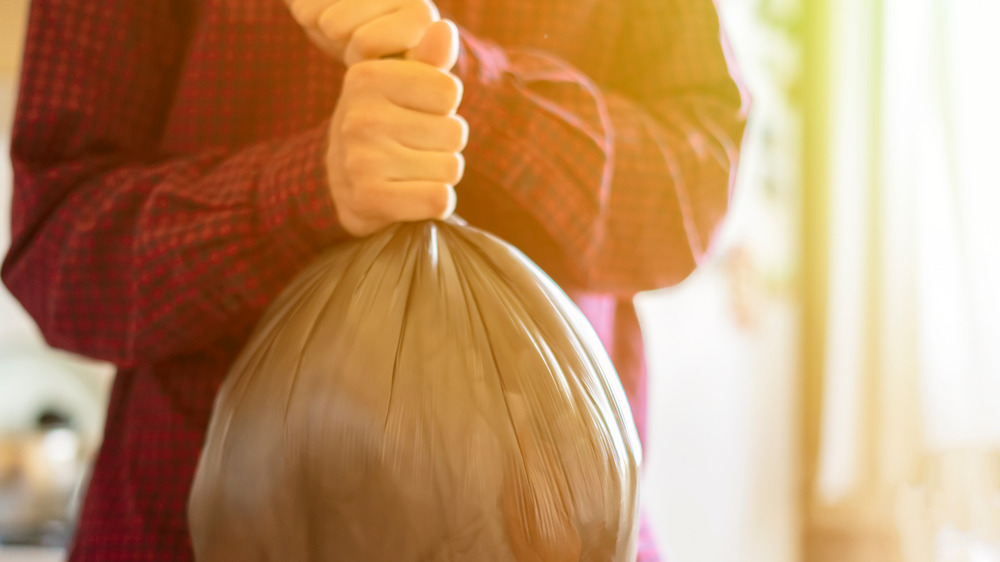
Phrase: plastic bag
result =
(426, 394)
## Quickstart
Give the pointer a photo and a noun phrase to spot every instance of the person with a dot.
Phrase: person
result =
(177, 162)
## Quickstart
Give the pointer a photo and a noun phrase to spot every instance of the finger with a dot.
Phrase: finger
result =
(416, 200)
(322, 42)
(339, 21)
(407, 164)
(385, 124)
(439, 46)
(308, 12)
(421, 87)
(390, 34)
(426, 132)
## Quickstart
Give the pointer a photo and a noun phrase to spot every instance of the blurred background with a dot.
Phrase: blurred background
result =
(825, 388)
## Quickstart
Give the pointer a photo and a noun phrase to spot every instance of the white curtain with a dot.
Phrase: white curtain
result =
(911, 405)
(954, 154)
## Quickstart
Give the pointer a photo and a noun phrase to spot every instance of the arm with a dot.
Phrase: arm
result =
(612, 187)
(125, 254)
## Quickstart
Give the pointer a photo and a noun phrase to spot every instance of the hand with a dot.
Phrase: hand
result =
(355, 30)
(395, 141)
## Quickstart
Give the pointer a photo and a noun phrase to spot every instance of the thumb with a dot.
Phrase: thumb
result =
(439, 46)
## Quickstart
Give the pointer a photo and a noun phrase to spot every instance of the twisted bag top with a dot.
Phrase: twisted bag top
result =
(426, 394)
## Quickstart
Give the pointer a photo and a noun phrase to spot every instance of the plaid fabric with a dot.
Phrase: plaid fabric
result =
(168, 160)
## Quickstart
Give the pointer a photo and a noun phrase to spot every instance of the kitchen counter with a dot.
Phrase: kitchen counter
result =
(25, 554)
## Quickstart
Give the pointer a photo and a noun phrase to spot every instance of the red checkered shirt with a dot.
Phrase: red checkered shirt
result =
(169, 181)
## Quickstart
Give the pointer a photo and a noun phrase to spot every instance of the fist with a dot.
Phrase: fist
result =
(395, 142)
(351, 31)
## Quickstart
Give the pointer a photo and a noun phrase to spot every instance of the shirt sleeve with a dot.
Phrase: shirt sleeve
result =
(614, 186)
(125, 254)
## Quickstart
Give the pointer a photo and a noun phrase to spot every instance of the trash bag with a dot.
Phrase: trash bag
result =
(426, 394)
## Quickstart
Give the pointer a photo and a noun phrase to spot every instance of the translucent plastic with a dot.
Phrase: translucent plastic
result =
(426, 394)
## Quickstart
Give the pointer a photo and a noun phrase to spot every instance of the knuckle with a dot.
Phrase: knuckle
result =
(362, 74)
(299, 13)
(331, 26)
(363, 45)
(349, 126)
(359, 165)
(360, 124)
(303, 12)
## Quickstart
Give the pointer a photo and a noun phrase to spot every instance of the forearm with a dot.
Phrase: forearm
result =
(607, 191)
(139, 262)
(675, 162)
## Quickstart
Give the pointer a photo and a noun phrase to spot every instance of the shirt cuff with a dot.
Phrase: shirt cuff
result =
(294, 195)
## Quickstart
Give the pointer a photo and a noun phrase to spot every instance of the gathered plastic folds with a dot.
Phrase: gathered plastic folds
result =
(426, 394)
